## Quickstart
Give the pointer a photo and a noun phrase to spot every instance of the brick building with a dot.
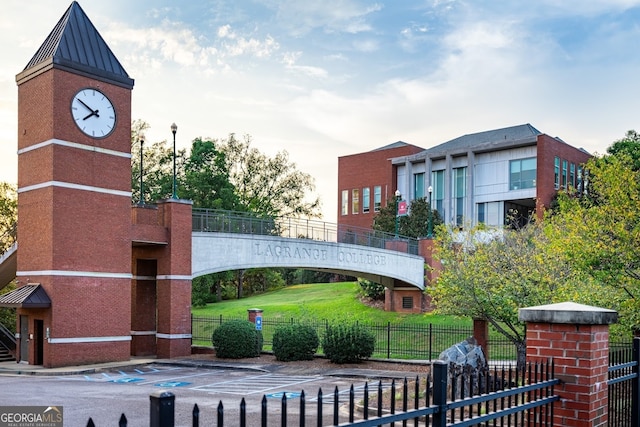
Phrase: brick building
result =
(494, 177)
(489, 177)
(366, 181)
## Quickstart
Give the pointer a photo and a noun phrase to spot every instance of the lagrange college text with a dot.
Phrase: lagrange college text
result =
(284, 251)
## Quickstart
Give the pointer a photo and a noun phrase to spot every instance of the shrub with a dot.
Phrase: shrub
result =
(236, 339)
(347, 343)
(372, 290)
(295, 342)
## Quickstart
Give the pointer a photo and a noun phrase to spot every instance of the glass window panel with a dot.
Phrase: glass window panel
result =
(344, 203)
(355, 201)
(377, 198)
(365, 199)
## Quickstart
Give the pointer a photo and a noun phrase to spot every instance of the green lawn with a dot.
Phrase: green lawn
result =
(398, 335)
(322, 301)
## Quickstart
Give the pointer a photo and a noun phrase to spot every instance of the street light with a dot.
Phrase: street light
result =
(141, 201)
(430, 220)
(174, 129)
(398, 196)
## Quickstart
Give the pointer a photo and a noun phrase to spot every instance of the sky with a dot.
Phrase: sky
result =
(326, 79)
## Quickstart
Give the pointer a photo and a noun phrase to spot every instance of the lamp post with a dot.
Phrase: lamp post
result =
(430, 218)
(174, 129)
(398, 196)
(141, 201)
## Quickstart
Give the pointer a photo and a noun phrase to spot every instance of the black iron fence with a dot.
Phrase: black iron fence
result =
(419, 341)
(222, 221)
(624, 385)
(499, 396)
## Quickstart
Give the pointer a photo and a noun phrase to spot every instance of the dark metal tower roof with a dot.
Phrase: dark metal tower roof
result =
(75, 45)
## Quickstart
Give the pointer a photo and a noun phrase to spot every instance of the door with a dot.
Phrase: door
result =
(38, 335)
(24, 338)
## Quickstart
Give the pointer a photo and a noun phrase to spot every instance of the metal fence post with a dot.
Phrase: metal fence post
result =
(635, 385)
(162, 409)
(440, 375)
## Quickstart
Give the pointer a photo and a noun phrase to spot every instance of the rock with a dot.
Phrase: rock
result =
(467, 366)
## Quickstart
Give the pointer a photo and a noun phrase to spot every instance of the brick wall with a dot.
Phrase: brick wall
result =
(368, 169)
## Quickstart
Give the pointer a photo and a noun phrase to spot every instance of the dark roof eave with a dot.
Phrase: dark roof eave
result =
(75, 68)
(477, 149)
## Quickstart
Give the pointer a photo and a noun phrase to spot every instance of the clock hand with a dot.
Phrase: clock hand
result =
(93, 113)
(86, 106)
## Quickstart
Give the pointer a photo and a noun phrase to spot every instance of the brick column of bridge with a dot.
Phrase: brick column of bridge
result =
(174, 281)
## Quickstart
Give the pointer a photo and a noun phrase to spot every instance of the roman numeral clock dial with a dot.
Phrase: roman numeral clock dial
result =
(93, 113)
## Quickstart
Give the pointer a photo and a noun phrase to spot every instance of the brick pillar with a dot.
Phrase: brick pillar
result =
(481, 334)
(576, 337)
(174, 281)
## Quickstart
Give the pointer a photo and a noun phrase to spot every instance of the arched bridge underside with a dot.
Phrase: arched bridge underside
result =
(216, 252)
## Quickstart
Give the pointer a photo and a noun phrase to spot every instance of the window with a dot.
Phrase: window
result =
(489, 213)
(572, 175)
(355, 201)
(377, 198)
(564, 174)
(418, 186)
(522, 173)
(365, 199)
(459, 192)
(580, 182)
(407, 302)
(437, 178)
(556, 172)
(344, 203)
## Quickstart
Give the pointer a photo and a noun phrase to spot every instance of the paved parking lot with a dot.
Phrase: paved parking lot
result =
(105, 395)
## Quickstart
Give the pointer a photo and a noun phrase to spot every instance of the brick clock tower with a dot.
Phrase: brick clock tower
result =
(82, 261)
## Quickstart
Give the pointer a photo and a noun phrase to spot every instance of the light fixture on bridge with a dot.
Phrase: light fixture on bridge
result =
(141, 138)
(398, 197)
(430, 220)
(174, 129)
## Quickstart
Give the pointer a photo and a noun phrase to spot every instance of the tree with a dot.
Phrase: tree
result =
(8, 215)
(415, 224)
(599, 232)
(490, 274)
(268, 186)
(205, 180)
(629, 145)
(157, 166)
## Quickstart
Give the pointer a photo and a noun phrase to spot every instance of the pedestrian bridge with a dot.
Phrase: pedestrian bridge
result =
(224, 240)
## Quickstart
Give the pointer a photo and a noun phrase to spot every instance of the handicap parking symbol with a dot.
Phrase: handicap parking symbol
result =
(172, 384)
(126, 380)
(278, 395)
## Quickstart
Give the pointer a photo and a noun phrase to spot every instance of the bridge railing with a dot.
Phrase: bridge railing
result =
(223, 221)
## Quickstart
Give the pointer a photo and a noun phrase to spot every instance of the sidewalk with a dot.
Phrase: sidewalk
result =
(286, 368)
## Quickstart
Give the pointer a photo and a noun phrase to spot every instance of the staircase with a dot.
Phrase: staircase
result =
(7, 345)
(5, 356)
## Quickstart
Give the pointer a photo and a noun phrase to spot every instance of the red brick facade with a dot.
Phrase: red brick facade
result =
(367, 170)
(548, 149)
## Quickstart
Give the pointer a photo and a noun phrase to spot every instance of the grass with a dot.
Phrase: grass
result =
(321, 301)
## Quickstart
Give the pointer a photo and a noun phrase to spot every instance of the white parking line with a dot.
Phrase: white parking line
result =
(256, 384)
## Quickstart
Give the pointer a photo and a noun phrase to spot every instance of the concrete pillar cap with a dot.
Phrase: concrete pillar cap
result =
(568, 312)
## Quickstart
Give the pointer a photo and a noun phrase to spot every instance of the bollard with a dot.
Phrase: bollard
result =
(162, 409)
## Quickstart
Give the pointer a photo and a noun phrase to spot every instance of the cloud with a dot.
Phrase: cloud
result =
(340, 16)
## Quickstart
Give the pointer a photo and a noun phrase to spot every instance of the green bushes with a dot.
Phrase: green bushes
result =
(295, 342)
(348, 343)
(371, 290)
(237, 339)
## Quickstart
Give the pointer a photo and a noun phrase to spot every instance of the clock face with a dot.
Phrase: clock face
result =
(93, 112)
